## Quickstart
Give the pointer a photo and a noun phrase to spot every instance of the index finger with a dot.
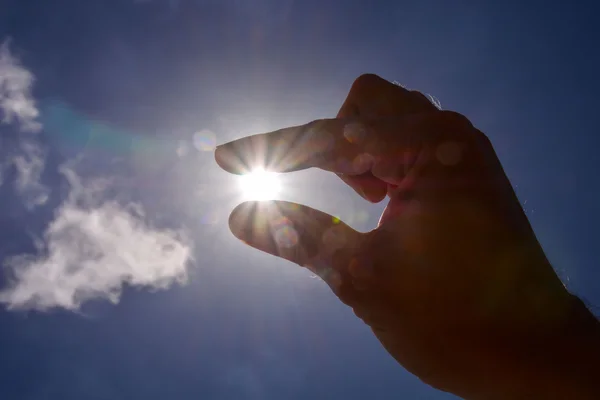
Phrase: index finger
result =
(337, 145)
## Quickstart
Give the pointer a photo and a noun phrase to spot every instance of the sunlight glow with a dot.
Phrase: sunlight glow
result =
(260, 185)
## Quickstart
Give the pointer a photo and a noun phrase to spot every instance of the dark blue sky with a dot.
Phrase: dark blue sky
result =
(122, 86)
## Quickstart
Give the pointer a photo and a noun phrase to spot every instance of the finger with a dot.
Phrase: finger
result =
(389, 147)
(372, 96)
(284, 150)
(336, 145)
(292, 231)
(300, 234)
(367, 186)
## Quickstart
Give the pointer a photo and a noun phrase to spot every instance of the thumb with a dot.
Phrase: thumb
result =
(303, 235)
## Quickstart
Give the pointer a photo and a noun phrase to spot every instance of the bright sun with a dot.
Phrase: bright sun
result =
(260, 185)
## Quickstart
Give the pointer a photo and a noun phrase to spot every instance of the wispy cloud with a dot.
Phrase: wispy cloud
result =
(29, 163)
(18, 107)
(16, 103)
(94, 246)
(91, 249)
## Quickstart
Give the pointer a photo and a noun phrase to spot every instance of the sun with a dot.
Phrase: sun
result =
(260, 185)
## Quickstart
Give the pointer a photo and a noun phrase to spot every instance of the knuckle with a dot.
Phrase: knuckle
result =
(449, 125)
(481, 139)
(422, 99)
(377, 243)
(416, 93)
(419, 102)
(452, 119)
(458, 123)
(366, 80)
(363, 313)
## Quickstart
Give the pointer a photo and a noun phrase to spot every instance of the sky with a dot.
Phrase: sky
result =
(119, 277)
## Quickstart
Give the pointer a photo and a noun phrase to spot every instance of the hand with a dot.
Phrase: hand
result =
(453, 281)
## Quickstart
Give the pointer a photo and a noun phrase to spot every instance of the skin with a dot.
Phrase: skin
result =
(453, 281)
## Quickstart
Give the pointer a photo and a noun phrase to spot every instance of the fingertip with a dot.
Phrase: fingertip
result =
(227, 159)
(221, 155)
(249, 221)
(241, 218)
(375, 195)
(242, 209)
(367, 186)
(264, 226)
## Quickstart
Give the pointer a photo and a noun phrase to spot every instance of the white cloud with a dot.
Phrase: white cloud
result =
(29, 163)
(91, 249)
(17, 106)
(16, 103)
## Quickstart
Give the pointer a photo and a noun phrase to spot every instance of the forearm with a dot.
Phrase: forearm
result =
(573, 363)
(564, 364)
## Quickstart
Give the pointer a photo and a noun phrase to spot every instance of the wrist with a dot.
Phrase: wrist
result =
(572, 365)
(559, 363)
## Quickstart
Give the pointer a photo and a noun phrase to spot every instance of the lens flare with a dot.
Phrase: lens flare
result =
(205, 140)
(284, 233)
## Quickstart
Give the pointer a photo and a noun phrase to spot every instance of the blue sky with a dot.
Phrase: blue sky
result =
(120, 279)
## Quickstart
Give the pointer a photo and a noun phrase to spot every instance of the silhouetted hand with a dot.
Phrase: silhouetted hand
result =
(453, 281)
